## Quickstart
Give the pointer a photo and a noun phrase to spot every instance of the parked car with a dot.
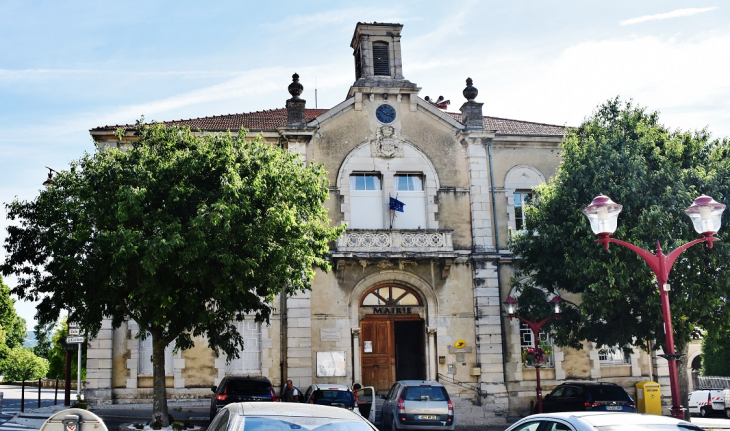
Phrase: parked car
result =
(234, 389)
(287, 417)
(580, 396)
(706, 402)
(418, 404)
(603, 421)
(331, 395)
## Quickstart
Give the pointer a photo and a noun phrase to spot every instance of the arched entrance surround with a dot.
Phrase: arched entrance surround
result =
(377, 359)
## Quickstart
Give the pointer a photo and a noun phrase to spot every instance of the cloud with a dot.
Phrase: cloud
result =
(673, 14)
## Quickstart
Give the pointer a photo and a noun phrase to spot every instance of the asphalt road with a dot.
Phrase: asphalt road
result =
(12, 396)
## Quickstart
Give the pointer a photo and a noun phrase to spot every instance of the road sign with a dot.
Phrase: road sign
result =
(74, 340)
(73, 325)
(74, 331)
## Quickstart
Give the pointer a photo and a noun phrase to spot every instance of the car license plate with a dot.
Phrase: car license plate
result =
(427, 417)
(613, 407)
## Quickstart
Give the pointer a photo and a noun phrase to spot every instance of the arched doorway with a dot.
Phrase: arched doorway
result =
(393, 336)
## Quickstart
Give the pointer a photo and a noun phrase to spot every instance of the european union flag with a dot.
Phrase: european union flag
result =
(396, 205)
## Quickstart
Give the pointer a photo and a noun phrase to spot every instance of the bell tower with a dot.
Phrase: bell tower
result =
(379, 65)
(376, 48)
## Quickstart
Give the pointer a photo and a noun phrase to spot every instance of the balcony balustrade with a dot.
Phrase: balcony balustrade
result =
(395, 241)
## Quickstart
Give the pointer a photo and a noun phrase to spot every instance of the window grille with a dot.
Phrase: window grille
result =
(381, 59)
(527, 341)
(613, 356)
(145, 357)
(249, 359)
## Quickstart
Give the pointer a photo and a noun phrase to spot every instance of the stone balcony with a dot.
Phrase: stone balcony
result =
(385, 241)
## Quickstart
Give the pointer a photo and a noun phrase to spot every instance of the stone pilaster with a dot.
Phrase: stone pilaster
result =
(299, 339)
(99, 354)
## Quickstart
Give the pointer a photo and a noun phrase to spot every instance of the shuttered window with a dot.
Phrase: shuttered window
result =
(381, 59)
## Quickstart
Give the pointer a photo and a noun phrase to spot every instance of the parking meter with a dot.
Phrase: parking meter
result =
(74, 420)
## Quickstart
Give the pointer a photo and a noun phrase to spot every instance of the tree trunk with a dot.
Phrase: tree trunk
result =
(159, 403)
(683, 378)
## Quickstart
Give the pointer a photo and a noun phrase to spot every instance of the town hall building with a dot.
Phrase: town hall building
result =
(413, 294)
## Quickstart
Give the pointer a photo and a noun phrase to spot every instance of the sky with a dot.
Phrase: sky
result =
(67, 67)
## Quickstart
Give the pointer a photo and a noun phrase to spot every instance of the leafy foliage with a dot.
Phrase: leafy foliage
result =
(43, 334)
(57, 354)
(183, 233)
(22, 364)
(12, 324)
(624, 152)
(716, 353)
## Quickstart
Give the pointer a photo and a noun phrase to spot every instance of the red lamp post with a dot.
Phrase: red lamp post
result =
(706, 215)
(511, 306)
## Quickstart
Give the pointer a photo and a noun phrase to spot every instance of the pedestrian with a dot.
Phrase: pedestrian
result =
(290, 394)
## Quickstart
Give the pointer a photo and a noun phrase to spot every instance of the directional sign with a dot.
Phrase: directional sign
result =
(74, 340)
(74, 331)
(73, 325)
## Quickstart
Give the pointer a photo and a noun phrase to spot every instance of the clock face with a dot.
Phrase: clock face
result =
(385, 113)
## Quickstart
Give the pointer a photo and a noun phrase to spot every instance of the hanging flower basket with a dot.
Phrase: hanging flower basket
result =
(530, 359)
(535, 356)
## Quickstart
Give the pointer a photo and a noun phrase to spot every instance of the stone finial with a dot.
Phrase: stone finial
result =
(296, 107)
(295, 88)
(470, 92)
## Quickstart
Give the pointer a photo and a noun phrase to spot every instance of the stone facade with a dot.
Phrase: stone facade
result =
(427, 283)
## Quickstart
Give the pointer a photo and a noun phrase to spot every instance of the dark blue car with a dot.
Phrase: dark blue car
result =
(587, 396)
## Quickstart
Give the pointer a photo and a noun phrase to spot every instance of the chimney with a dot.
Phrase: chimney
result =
(471, 111)
(295, 106)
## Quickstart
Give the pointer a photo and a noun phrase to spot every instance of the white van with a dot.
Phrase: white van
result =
(706, 402)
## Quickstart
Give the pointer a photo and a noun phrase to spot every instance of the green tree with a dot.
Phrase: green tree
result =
(716, 353)
(22, 364)
(10, 322)
(182, 233)
(624, 152)
(43, 334)
(57, 354)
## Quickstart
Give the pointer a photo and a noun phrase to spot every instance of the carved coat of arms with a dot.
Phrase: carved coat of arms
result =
(386, 144)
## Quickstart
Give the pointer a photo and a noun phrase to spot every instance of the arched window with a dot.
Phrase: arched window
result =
(518, 185)
(390, 296)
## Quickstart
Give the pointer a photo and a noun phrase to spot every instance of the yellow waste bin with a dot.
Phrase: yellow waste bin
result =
(649, 399)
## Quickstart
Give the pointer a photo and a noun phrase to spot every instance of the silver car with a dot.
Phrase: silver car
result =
(418, 404)
(601, 421)
(263, 416)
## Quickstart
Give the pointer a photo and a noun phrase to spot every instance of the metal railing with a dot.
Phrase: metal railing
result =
(453, 381)
(707, 382)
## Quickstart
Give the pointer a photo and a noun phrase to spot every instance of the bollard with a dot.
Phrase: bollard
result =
(55, 397)
(40, 385)
(1, 402)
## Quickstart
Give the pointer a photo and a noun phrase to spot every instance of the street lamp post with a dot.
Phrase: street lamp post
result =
(706, 215)
(511, 306)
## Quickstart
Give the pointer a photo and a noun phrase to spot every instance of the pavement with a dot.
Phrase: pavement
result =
(196, 413)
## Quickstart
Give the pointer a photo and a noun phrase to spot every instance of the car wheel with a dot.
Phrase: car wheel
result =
(727, 413)
(704, 412)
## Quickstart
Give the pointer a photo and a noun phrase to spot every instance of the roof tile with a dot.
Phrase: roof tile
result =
(273, 118)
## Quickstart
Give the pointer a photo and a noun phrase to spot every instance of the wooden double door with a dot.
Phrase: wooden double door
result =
(392, 348)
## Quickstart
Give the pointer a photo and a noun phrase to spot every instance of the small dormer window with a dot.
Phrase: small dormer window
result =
(381, 59)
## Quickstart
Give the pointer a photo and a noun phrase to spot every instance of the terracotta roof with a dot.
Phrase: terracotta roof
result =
(273, 118)
(259, 120)
(505, 126)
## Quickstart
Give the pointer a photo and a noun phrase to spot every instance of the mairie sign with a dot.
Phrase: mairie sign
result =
(396, 310)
